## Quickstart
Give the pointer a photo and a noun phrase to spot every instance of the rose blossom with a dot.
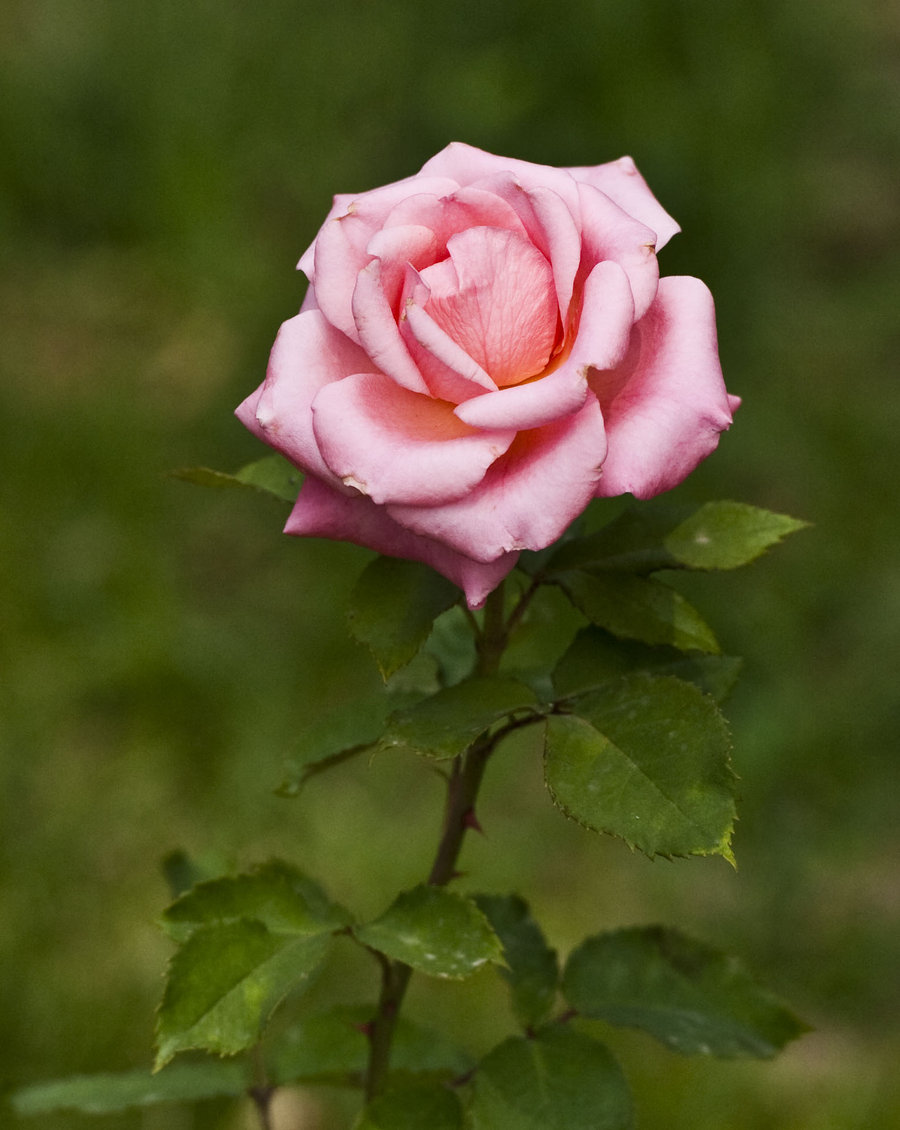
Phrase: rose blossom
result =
(484, 348)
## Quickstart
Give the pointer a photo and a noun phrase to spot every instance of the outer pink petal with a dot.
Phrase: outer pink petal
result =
(528, 497)
(468, 165)
(609, 233)
(320, 512)
(666, 404)
(528, 405)
(498, 302)
(396, 446)
(377, 330)
(621, 182)
(308, 354)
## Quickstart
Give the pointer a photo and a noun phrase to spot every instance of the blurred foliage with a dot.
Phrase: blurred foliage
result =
(164, 166)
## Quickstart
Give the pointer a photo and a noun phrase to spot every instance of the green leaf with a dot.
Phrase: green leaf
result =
(331, 1047)
(276, 894)
(343, 733)
(225, 981)
(105, 1094)
(691, 997)
(531, 966)
(435, 931)
(596, 657)
(646, 759)
(413, 1106)
(639, 608)
(272, 475)
(447, 723)
(559, 1080)
(393, 607)
(718, 535)
(726, 535)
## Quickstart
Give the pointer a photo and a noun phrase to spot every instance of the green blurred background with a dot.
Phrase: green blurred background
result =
(163, 166)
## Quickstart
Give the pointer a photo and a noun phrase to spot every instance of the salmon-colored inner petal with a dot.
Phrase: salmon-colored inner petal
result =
(495, 297)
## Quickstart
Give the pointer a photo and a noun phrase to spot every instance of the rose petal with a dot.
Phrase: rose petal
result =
(609, 233)
(498, 302)
(398, 248)
(622, 183)
(666, 404)
(338, 252)
(528, 497)
(465, 208)
(528, 405)
(468, 165)
(308, 354)
(396, 446)
(450, 372)
(377, 330)
(607, 317)
(550, 226)
(321, 512)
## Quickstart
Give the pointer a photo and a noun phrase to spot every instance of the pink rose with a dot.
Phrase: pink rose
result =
(484, 348)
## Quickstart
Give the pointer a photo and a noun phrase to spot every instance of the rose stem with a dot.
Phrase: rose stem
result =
(462, 790)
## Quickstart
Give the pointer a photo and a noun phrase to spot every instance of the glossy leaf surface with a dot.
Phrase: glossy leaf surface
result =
(645, 759)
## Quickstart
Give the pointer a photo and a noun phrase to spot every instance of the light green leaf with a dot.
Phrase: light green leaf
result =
(435, 931)
(393, 607)
(558, 1080)
(105, 1094)
(596, 657)
(531, 966)
(726, 535)
(639, 608)
(416, 1105)
(276, 894)
(691, 997)
(352, 729)
(447, 723)
(660, 535)
(646, 759)
(224, 982)
(272, 475)
(331, 1047)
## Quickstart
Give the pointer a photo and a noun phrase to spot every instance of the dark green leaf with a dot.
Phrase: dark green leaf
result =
(352, 729)
(559, 1080)
(272, 475)
(691, 997)
(393, 607)
(646, 759)
(531, 966)
(331, 1047)
(224, 982)
(446, 724)
(639, 608)
(276, 894)
(435, 931)
(413, 1106)
(105, 1094)
(596, 657)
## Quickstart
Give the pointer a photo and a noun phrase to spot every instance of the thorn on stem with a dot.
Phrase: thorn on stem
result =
(366, 1029)
(470, 820)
